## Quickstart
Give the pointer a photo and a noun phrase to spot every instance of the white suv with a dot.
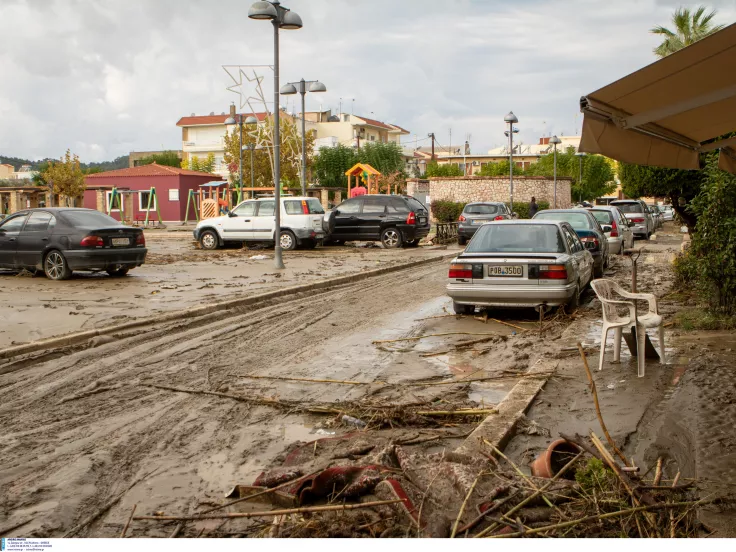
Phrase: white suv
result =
(254, 220)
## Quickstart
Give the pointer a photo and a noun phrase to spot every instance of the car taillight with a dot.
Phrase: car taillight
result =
(140, 239)
(589, 239)
(462, 219)
(614, 229)
(461, 271)
(411, 219)
(552, 272)
(305, 208)
(92, 241)
(499, 217)
(637, 220)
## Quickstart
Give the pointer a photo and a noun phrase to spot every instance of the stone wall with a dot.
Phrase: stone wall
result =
(465, 189)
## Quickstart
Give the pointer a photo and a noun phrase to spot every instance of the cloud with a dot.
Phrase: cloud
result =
(106, 77)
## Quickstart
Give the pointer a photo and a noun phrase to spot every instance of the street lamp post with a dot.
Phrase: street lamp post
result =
(580, 179)
(301, 87)
(280, 18)
(238, 119)
(555, 140)
(511, 120)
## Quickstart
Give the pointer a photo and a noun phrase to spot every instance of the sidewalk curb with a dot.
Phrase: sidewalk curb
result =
(74, 338)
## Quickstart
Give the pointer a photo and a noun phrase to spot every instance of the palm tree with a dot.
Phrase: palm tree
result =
(689, 28)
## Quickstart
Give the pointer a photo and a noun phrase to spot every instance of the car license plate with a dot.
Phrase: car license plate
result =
(514, 270)
(422, 220)
(478, 222)
(117, 242)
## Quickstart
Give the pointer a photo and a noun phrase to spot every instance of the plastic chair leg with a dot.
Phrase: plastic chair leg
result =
(604, 338)
(662, 359)
(641, 341)
(617, 337)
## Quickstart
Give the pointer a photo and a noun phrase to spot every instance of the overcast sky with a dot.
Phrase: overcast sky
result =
(106, 77)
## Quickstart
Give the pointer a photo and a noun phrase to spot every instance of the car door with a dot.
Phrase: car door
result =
(9, 231)
(372, 217)
(34, 238)
(626, 232)
(264, 223)
(238, 225)
(347, 219)
(583, 257)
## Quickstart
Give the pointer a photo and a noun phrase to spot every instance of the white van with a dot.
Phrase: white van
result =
(254, 221)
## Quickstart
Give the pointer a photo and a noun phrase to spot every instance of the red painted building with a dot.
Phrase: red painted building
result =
(172, 187)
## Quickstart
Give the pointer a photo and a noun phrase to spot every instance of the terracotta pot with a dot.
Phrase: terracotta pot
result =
(552, 460)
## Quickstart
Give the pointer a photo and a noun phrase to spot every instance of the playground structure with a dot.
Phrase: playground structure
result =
(365, 174)
(118, 201)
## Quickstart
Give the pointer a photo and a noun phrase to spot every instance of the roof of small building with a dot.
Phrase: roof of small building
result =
(201, 120)
(154, 169)
(380, 124)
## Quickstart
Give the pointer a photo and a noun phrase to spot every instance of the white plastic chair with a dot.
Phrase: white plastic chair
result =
(606, 290)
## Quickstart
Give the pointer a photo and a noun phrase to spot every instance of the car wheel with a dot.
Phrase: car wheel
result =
(574, 301)
(413, 243)
(55, 266)
(463, 309)
(462, 240)
(118, 271)
(209, 240)
(287, 240)
(391, 238)
(598, 271)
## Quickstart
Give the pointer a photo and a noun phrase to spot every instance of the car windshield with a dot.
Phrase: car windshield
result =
(629, 207)
(604, 217)
(481, 209)
(517, 238)
(577, 220)
(89, 219)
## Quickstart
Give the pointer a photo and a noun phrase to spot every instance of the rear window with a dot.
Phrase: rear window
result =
(294, 207)
(481, 209)
(89, 219)
(415, 204)
(604, 217)
(517, 238)
(629, 207)
(577, 220)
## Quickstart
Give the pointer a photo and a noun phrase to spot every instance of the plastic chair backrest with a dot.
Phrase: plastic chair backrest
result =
(605, 290)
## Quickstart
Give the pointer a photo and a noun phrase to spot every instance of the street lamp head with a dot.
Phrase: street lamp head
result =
(317, 86)
(555, 140)
(230, 121)
(511, 118)
(291, 21)
(251, 120)
(287, 89)
(263, 10)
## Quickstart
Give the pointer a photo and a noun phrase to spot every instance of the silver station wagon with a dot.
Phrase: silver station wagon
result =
(520, 263)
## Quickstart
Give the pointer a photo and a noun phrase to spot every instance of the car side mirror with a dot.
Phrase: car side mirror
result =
(337, 211)
(231, 214)
(607, 228)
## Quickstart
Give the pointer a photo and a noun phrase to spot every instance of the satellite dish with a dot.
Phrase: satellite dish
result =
(333, 119)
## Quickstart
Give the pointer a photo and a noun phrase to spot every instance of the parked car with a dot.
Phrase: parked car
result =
(588, 230)
(394, 220)
(254, 221)
(639, 216)
(657, 216)
(621, 237)
(475, 214)
(520, 263)
(668, 213)
(61, 240)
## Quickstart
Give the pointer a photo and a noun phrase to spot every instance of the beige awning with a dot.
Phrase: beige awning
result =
(670, 111)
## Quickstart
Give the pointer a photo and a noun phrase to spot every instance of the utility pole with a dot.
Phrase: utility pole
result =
(449, 147)
(431, 135)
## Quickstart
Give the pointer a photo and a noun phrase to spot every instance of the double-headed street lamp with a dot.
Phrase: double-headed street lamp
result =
(249, 120)
(301, 87)
(280, 18)
(511, 120)
(555, 140)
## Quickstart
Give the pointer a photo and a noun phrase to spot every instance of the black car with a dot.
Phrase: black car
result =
(60, 240)
(589, 231)
(394, 220)
(475, 214)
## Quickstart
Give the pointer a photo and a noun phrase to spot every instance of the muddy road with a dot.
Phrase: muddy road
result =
(79, 425)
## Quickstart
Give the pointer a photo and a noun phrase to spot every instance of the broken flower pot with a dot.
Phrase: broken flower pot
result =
(552, 460)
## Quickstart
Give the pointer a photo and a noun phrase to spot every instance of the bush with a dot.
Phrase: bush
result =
(435, 169)
(522, 209)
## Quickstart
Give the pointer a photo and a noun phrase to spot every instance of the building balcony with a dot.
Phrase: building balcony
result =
(203, 146)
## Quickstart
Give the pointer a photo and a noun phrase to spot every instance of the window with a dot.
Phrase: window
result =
(266, 208)
(633, 207)
(118, 206)
(570, 240)
(415, 204)
(517, 238)
(15, 223)
(174, 194)
(296, 207)
(397, 205)
(89, 219)
(374, 206)
(481, 209)
(38, 222)
(143, 201)
(579, 221)
(351, 206)
(604, 217)
(247, 209)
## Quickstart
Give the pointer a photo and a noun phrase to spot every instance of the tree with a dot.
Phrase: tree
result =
(679, 186)
(689, 27)
(202, 165)
(65, 177)
(597, 173)
(434, 169)
(331, 164)
(168, 158)
(498, 169)
(385, 157)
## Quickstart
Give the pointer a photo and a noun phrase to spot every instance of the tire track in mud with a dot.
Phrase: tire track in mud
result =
(75, 454)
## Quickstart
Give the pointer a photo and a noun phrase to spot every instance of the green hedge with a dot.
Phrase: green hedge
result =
(449, 211)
